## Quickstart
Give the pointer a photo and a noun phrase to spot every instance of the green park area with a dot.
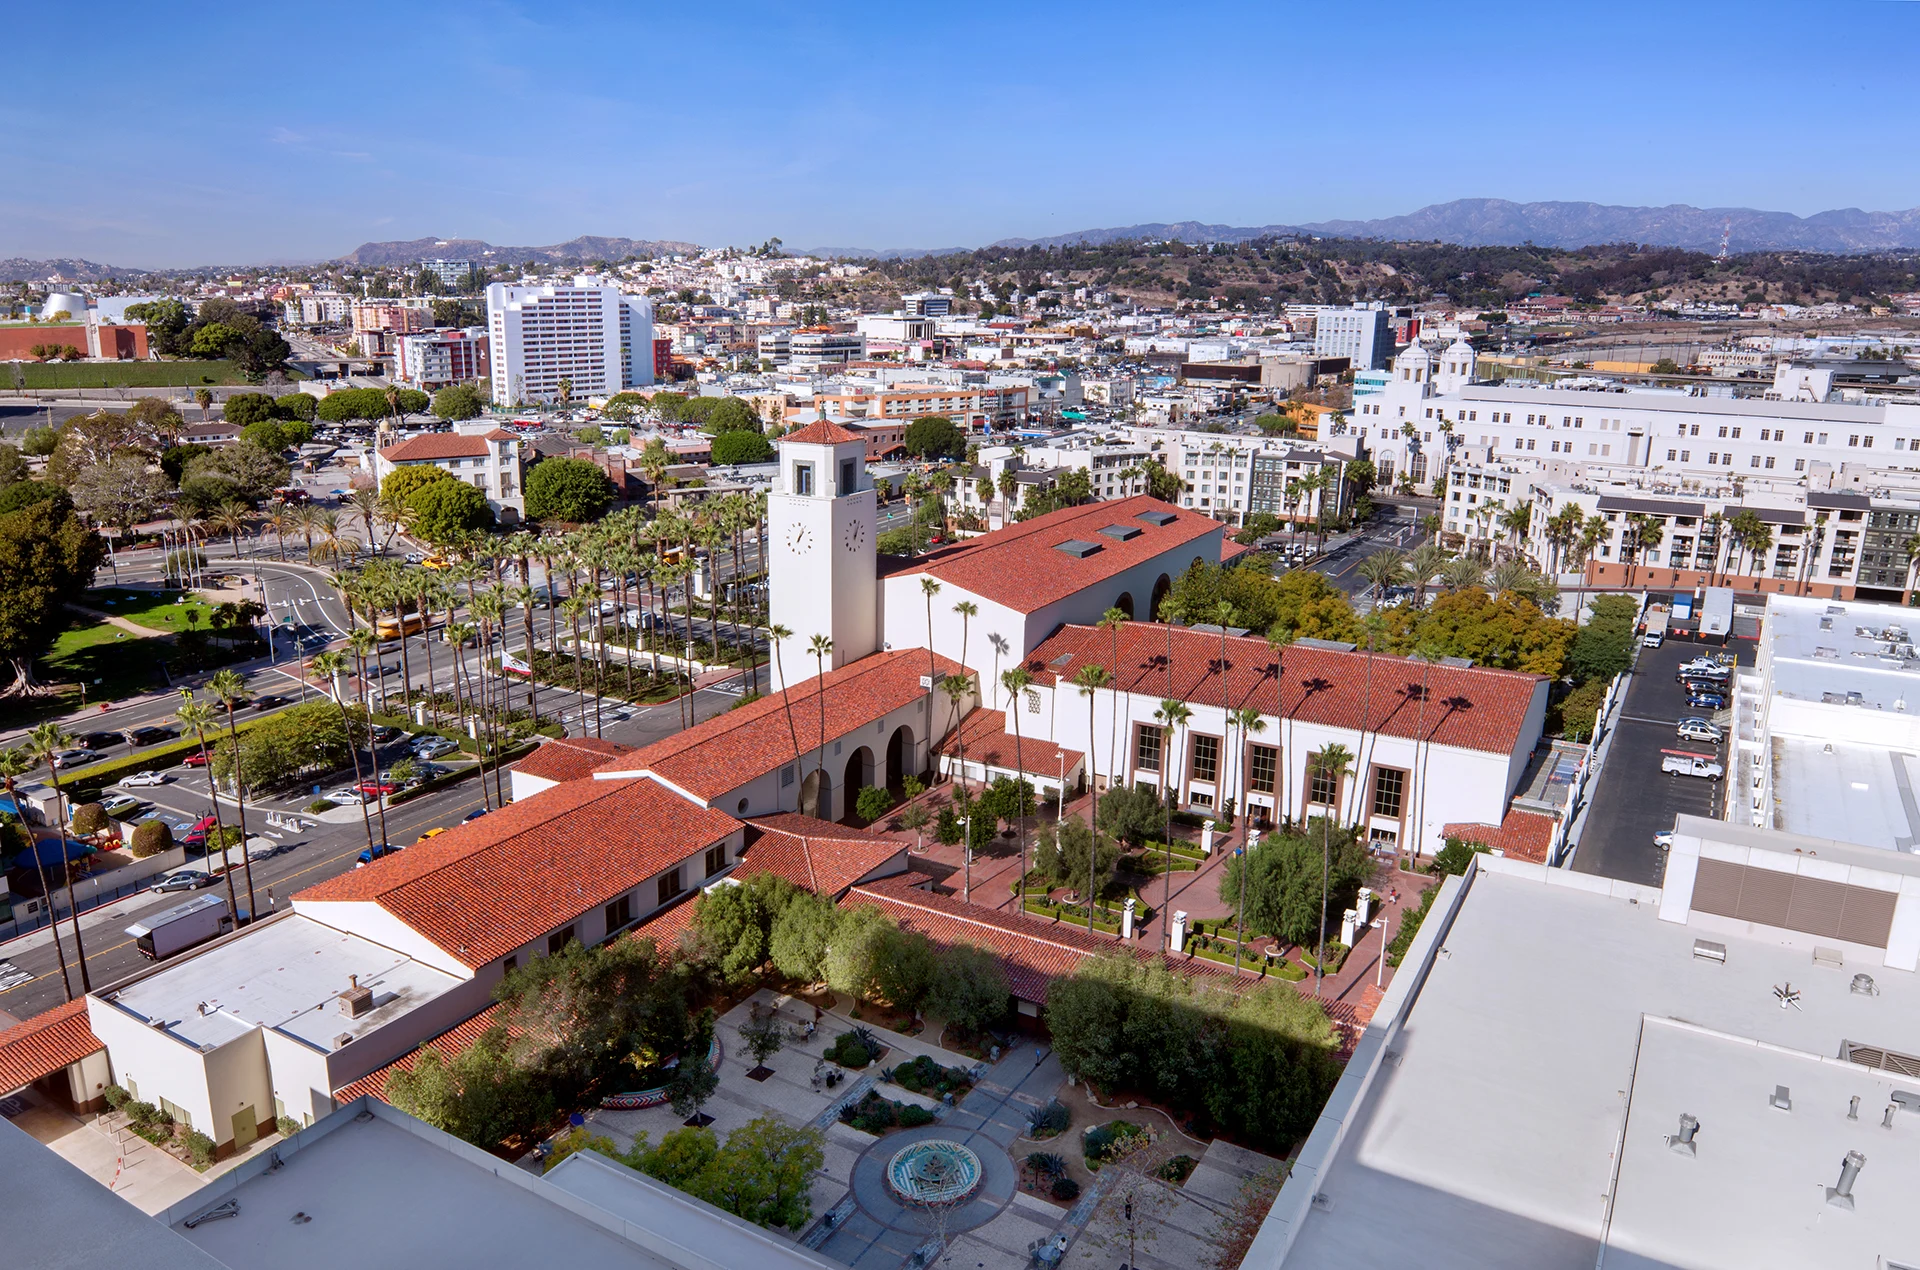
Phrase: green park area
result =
(180, 374)
(155, 610)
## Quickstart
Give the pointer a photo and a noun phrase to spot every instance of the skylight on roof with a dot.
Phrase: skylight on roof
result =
(1157, 517)
(1076, 548)
(1123, 533)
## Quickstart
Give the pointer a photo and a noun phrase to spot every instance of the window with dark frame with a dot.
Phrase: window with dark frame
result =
(619, 913)
(1260, 771)
(1389, 783)
(558, 941)
(671, 885)
(1146, 750)
(716, 858)
(803, 478)
(1324, 788)
(1206, 758)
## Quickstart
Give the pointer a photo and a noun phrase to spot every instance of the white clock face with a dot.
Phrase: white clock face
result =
(799, 540)
(855, 536)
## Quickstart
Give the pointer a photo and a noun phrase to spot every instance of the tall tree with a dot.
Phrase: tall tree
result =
(1089, 679)
(43, 743)
(231, 689)
(15, 764)
(1332, 763)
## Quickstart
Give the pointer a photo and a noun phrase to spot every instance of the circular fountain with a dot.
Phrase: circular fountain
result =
(933, 1173)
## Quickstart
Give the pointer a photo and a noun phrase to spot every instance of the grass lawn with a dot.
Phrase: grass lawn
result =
(182, 374)
(122, 662)
(154, 610)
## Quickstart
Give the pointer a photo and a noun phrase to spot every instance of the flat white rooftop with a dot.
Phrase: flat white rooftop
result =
(1843, 652)
(286, 974)
(1557, 1022)
(1854, 793)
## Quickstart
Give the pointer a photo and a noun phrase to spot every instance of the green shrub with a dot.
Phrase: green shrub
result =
(286, 1126)
(850, 1049)
(199, 1148)
(1576, 713)
(150, 838)
(1178, 1169)
(1050, 1120)
(1046, 1164)
(1410, 927)
(89, 819)
(319, 805)
(141, 1114)
(873, 802)
(116, 1097)
(913, 1116)
(1065, 1188)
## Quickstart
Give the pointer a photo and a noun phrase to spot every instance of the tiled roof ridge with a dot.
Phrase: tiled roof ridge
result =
(904, 890)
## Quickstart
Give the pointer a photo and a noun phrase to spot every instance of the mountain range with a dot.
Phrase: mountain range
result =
(1485, 222)
(585, 248)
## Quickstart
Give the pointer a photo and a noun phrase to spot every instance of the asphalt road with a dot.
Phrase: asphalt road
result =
(1632, 798)
(1341, 563)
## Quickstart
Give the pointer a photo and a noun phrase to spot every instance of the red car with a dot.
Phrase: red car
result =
(381, 788)
(196, 759)
(197, 835)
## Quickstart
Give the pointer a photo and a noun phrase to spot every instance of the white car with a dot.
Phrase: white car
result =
(1698, 730)
(433, 747)
(144, 778)
(347, 795)
(1664, 840)
(120, 803)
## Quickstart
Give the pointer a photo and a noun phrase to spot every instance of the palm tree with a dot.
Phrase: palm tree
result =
(967, 610)
(1384, 568)
(231, 688)
(1423, 562)
(14, 764)
(1714, 524)
(1172, 715)
(43, 743)
(956, 688)
(1331, 761)
(1462, 573)
(928, 589)
(1248, 720)
(427, 594)
(1516, 520)
(819, 646)
(203, 398)
(1016, 682)
(1111, 621)
(1090, 678)
(457, 634)
(199, 717)
(230, 518)
(573, 608)
(1429, 525)
(776, 636)
(1511, 575)
(331, 666)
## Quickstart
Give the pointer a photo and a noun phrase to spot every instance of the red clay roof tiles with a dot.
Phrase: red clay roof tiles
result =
(1475, 708)
(1021, 568)
(450, 1044)
(569, 758)
(731, 749)
(988, 740)
(438, 445)
(484, 888)
(823, 857)
(821, 432)
(45, 1043)
(1520, 835)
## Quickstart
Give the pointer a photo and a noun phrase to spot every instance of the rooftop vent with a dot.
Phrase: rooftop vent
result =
(1707, 950)
(1880, 1060)
(1683, 1140)
(1123, 533)
(1076, 548)
(1863, 986)
(1781, 1098)
(1157, 518)
(1841, 1196)
(356, 1000)
(343, 1040)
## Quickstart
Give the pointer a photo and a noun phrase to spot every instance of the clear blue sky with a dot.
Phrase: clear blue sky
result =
(160, 134)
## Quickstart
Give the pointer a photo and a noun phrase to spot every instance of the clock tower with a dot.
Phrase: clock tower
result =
(820, 560)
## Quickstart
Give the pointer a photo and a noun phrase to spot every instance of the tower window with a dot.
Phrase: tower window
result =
(846, 476)
(803, 478)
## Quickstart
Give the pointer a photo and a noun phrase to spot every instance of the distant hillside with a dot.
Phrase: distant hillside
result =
(20, 269)
(586, 248)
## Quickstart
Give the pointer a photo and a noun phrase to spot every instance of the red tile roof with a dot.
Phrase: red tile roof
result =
(738, 746)
(1474, 708)
(1521, 835)
(821, 432)
(823, 857)
(569, 758)
(450, 1043)
(1034, 951)
(44, 1044)
(484, 888)
(1019, 566)
(440, 445)
(988, 740)
(1230, 549)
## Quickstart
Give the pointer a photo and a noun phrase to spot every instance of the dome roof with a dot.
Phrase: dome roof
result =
(1414, 352)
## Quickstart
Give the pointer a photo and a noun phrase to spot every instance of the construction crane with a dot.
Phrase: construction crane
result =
(1726, 233)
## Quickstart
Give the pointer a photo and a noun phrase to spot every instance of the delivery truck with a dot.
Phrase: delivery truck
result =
(183, 926)
(1656, 633)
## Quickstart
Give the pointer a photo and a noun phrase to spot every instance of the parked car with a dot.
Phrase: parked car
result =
(1704, 670)
(184, 880)
(1664, 840)
(196, 836)
(120, 804)
(346, 794)
(1706, 700)
(384, 735)
(375, 852)
(272, 701)
(74, 758)
(1691, 765)
(381, 672)
(144, 779)
(378, 787)
(1698, 730)
(433, 746)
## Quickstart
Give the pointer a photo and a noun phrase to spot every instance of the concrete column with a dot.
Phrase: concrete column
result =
(1206, 839)
(1347, 924)
(1365, 908)
(1126, 918)
(1180, 930)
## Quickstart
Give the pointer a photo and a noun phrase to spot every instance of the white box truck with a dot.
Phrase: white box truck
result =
(1656, 633)
(184, 925)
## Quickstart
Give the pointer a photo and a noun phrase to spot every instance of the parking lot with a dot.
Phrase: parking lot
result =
(1633, 799)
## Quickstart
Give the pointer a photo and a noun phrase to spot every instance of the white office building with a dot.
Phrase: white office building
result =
(589, 334)
(1363, 334)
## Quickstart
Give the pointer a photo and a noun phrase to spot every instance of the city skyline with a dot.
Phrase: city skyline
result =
(218, 138)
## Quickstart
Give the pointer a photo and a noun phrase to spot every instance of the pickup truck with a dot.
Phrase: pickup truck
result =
(1656, 632)
(1691, 765)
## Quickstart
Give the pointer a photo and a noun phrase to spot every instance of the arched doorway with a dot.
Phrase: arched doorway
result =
(816, 796)
(1125, 604)
(857, 776)
(900, 758)
(1160, 589)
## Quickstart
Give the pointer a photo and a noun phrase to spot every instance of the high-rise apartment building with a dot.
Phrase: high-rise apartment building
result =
(1363, 333)
(435, 359)
(450, 272)
(589, 334)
